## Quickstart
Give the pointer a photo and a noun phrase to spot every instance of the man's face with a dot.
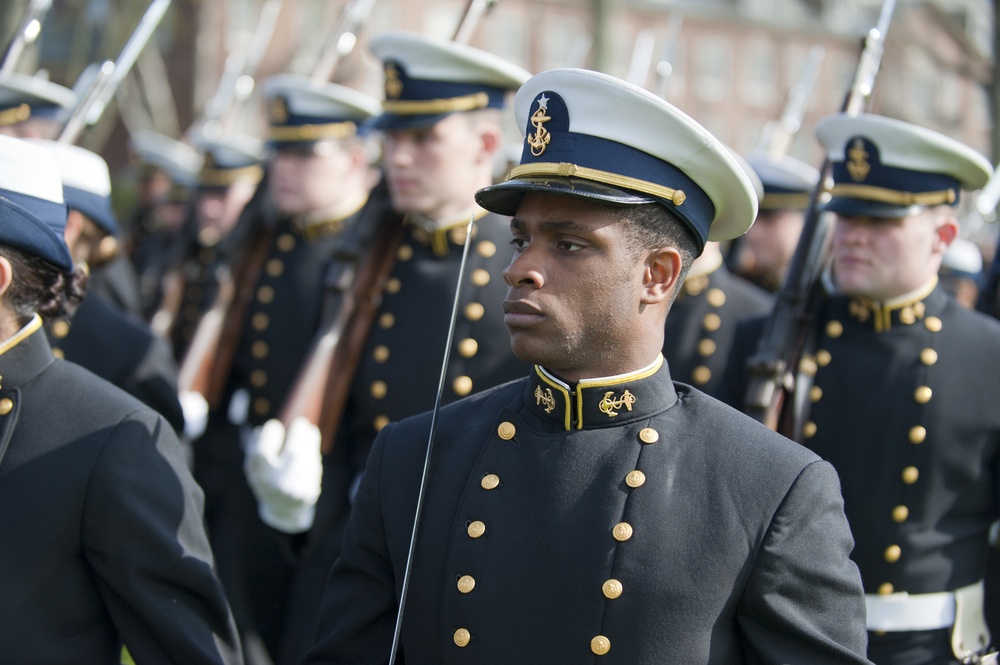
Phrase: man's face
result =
(434, 171)
(312, 178)
(573, 301)
(881, 259)
(772, 240)
(218, 209)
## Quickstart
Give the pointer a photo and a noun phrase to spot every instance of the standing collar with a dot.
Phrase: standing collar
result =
(602, 402)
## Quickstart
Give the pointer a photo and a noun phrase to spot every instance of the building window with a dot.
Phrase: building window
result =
(713, 68)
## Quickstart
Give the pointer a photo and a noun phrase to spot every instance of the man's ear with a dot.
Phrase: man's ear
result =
(74, 227)
(6, 275)
(661, 272)
(491, 137)
(945, 233)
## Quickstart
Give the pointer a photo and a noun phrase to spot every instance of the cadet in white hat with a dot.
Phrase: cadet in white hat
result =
(898, 390)
(32, 106)
(595, 508)
(765, 252)
(83, 459)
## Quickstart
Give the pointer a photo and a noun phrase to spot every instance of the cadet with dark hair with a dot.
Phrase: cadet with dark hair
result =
(103, 541)
(597, 508)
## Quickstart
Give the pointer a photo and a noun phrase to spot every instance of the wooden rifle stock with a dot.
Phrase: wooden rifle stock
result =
(780, 347)
(172, 288)
(321, 388)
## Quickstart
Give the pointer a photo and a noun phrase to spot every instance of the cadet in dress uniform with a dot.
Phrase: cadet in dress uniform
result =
(318, 187)
(230, 172)
(564, 519)
(33, 107)
(103, 540)
(98, 336)
(899, 383)
(442, 124)
(765, 252)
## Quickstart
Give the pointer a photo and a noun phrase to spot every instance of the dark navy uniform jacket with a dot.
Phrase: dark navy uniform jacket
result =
(101, 534)
(633, 519)
(701, 326)
(123, 351)
(903, 404)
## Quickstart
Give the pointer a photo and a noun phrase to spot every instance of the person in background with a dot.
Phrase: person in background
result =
(961, 272)
(33, 107)
(103, 540)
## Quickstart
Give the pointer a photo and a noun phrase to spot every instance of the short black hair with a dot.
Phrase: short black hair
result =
(652, 225)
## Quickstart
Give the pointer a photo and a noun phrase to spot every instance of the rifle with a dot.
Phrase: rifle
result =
(778, 134)
(474, 11)
(783, 339)
(91, 106)
(343, 38)
(354, 286)
(237, 82)
(27, 33)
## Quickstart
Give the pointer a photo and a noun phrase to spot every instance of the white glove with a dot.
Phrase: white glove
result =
(285, 473)
(195, 410)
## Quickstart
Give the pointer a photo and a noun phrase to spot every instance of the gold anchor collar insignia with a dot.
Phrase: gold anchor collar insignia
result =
(603, 402)
(906, 309)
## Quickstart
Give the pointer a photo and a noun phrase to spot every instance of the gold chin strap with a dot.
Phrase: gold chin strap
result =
(894, 197)
(564, 170)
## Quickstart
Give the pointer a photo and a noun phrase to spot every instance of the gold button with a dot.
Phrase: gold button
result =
(933, 323)
(58, 353)
(378, 389)
(404, 253)
(900, 514)
(695, 286)
(5, 406)
(809, 429)
(600, 645)
(60, 328)
(462, 637)
(474, 311)
(380, 421)
(715, 297)
(700, 375)
(635, 479)
(649, 435)
(386, 320)
(910, 475)
(286, 242)
(823, 357)
(261, 406)
(259, 349)
(490, 481)
(892, 553)
(468, 347)
(917, 434)
(928, 356)
(815, 394)
(258, 378)
(480, 277)
(265, 294)
(506, 430)
(486, 249)
(476, 529)
(622, 531)
(466, 583)
(711, 322)
(706, 347)
(807, 365)
(612, 589)
(462, 385)
(907, 316)
(274, 267)
(260, 321)
(886, 589)
(393, 285)
(380, 353)
(457, 235)
(834, 329)
(923, 394)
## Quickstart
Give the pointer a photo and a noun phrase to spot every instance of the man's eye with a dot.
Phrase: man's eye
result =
(519, 243)
(570, 245)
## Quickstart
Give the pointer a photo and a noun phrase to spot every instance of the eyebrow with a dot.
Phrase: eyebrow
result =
(567, 226)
